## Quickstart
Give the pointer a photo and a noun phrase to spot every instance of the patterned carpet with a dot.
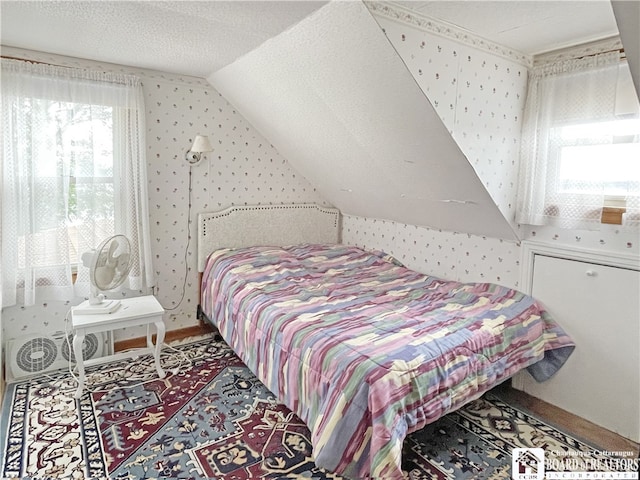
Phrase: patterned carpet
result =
(216, 420)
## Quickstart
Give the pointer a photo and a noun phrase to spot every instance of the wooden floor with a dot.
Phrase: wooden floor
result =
(170, 336)
(572, 424)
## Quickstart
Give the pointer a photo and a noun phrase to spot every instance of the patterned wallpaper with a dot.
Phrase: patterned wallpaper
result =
(479, 94)
(610, 238)
(455, 256)
(243, 169)
(479, 90)
(480, 98)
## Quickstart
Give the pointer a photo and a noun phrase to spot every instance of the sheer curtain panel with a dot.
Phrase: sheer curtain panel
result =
(576, 147)
(73, 174)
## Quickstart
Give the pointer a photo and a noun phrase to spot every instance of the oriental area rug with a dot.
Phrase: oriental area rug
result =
(212, 418)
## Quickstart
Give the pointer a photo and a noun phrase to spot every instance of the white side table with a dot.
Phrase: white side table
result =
(132, 312)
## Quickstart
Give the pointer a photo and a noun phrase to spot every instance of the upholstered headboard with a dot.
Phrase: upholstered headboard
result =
(244, 226)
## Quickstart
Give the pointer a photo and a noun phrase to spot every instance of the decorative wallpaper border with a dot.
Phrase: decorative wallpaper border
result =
(439, 27)
(579, 51)
(83, 63)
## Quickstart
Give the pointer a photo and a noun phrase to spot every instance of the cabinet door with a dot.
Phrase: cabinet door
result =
(599, 306)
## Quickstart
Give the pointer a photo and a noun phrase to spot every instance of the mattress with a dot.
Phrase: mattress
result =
(365, 350)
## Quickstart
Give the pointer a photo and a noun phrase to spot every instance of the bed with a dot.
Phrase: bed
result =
(361, 348)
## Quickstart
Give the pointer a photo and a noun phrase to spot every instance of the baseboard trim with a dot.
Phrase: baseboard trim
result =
(172, 335)
(577, 426)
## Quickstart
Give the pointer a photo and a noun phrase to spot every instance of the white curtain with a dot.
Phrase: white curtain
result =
(561, 96)
(73, 173)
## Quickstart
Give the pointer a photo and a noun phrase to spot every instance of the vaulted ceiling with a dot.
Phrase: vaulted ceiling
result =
(627, 16)
(198, 37)
(184, 37)
(322, 83)
(333, 96)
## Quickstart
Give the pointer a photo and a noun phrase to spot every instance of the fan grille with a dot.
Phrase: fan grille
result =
(112, 262)
(37, 354)
(90, 346)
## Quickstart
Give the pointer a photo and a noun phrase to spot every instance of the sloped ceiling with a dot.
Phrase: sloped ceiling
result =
(178, 36)
(332, 95)
(198, 37)
(628, 18)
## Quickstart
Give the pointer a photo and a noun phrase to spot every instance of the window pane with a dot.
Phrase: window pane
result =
(72, 179)
(612, 169)
(600, 129)
(88, 139)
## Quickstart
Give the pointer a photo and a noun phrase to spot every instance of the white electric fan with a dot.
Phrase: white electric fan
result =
(108, 266)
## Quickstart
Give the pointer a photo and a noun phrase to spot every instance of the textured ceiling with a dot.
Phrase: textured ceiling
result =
(334, 98)
(200, 37)
(185, 37)
(532, 27)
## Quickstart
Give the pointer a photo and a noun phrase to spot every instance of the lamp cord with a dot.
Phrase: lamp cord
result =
(186, 250)
(173, 365)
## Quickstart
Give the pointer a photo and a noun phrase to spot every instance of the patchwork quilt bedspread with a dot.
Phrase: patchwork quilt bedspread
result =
(365, 350)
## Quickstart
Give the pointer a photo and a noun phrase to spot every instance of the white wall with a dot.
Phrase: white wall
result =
(2, 377)
(628, 19)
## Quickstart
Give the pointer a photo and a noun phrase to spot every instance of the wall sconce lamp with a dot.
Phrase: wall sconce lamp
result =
(200, 145)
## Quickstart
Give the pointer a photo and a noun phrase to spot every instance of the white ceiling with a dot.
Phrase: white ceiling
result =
(184, 37)
(532, 27)
(200, 37)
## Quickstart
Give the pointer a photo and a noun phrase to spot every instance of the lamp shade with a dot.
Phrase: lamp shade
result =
(201, 144)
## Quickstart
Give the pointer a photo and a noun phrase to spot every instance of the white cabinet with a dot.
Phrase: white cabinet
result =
(599, 306)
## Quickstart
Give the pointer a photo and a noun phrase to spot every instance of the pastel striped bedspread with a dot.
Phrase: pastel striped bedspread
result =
(365, 350)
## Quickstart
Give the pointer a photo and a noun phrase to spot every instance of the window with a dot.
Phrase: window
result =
(580, 144)
(73, 174)
(598, 158)
(75, 167)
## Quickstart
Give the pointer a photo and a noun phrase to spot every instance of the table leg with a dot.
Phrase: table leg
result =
(160, 329)
(78, 340)
(149, 339)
